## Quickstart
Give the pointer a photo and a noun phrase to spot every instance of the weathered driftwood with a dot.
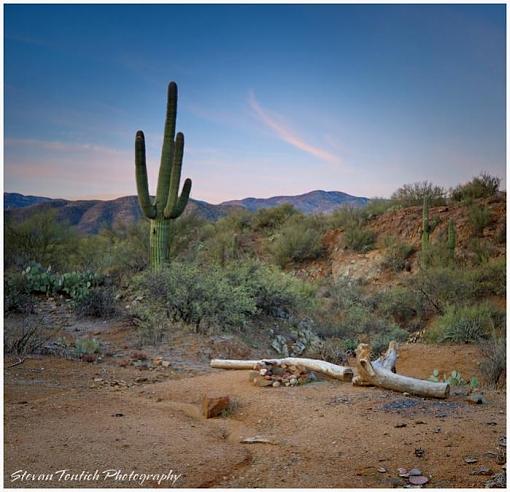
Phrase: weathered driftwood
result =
(381, 372)
(337, 372)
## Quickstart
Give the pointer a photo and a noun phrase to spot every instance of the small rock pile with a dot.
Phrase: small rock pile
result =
(273, 373)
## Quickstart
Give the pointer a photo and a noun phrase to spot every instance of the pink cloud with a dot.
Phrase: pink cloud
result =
(287, 135)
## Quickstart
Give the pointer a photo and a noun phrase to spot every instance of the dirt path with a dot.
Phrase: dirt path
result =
(325, 434)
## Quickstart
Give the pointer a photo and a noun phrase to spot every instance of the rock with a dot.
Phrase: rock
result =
(470, 460)
(498, 481)
(262, 382)
(157, 361)
(476, 398)
(418, 480)
(276, 384)
(382, 469)
(400, 426)
(419, 452)
(141, 379)
(414, 472)
(482, 470)
(165, 363)
(214, 406)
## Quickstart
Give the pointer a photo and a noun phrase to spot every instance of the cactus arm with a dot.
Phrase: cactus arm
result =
(165, 168)
(175, 175)
(142, 184)
(179, 207)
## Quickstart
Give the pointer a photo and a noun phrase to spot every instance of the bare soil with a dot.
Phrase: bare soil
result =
(59, 416)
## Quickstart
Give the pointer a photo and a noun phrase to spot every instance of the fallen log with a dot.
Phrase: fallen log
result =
(381, 372)
(337, 372)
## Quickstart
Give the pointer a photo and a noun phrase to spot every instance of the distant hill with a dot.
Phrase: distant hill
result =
(318, 201)
(89, 216)
(17, 200)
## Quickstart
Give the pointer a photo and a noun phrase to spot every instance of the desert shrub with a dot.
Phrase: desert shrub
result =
(40, 238)
(413, 194)
(380, 342)
(17, 295)
(151, 323)
(296, 242)
(86, 346)
(397, 254)
(27, 338)
(377, 206)
(479, 218)
(186, 231)
(275, 293)
(237, 221)
(439, 287)
(400, 304)
(272, 218)
(465, 324)
(347, 217)
(204, 299)
(125, 251)
(359, 239)
(493, 363)
(97, 302)
(488, 279)
(331, 350)
(481, 186)
(224, 246)
(479, 250)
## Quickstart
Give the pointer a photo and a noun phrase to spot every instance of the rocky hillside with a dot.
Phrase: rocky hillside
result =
(405, 225)
(317, 201)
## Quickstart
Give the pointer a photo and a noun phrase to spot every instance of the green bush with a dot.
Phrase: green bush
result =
(151, 322)
(397, 253)
(296, 242)
(482, 186)
(479, 218)
(466, 324)
(378, 206)
(381, 341)
(97, 302)
(413, 194)
(40, 238)
(86, 346)
(275, 293)
(17, 294)
(359, 239)
(479, 250)
(272, 218)
(204, 299)
(399, 303)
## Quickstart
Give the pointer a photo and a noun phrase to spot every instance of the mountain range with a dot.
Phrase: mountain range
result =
(89, 216)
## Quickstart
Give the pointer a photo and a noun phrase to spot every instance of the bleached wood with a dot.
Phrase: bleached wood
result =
(380, 373)
(337, 372)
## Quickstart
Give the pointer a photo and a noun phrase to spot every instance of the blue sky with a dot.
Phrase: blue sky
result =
(273, 99)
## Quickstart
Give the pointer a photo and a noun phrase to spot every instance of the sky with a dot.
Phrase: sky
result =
(273, 99)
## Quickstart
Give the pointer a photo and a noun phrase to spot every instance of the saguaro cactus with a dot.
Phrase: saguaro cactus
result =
(426, 226)
(452, 239)
(167, 205)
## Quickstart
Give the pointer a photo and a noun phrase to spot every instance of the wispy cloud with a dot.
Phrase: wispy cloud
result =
(274, 122)
(60, 146)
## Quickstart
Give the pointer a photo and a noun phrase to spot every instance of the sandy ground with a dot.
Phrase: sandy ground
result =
(324, 434)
